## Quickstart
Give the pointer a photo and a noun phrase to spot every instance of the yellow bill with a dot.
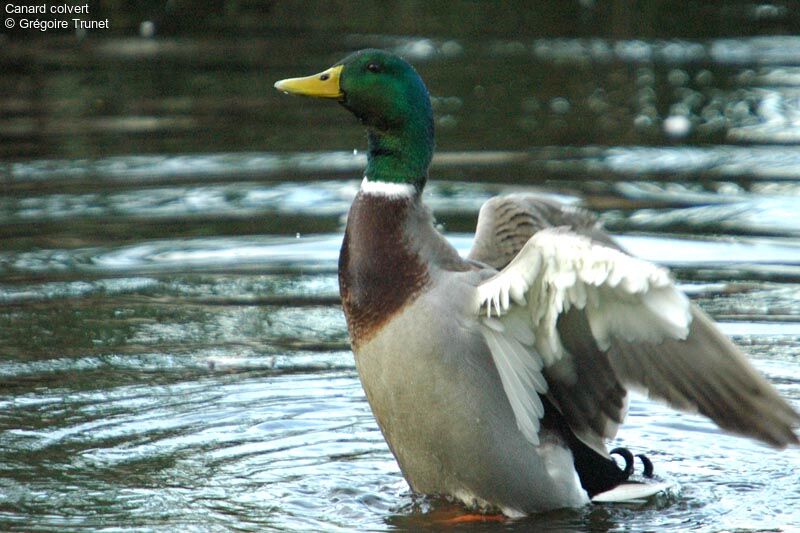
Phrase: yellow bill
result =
(322, 85)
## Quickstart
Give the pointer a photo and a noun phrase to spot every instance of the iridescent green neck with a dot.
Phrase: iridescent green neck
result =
(400, 156)
(391, 100)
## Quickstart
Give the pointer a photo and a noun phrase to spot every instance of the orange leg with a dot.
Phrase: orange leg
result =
(472, 518)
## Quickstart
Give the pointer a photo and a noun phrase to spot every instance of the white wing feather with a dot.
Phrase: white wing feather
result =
(510, 342)
(623, 298)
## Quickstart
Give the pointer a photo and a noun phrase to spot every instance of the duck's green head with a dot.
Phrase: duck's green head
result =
(390, 99)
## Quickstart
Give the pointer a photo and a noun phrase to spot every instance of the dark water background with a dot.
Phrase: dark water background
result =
(172, 352)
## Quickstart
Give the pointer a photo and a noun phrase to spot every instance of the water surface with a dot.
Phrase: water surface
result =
(172, 351)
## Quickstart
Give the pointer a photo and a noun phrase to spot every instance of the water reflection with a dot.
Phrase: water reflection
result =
(593, 90)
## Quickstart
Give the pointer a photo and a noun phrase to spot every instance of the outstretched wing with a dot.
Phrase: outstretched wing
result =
(505, 224)
(591, 320)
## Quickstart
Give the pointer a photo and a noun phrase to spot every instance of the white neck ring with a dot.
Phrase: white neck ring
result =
(384, 188)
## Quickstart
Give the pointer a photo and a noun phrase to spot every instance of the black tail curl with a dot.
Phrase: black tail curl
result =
(596, 472)
(625, 453)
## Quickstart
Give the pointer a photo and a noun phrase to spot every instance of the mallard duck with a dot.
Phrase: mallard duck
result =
(497, 378)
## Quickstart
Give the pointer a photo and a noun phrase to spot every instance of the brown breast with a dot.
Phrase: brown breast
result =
(379, 272)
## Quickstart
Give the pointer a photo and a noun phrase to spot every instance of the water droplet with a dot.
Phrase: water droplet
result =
(642, 122)
(147, 29)
(559, 105)
(678, 77)
(677, 125)
(704, 78)
(447, 121)
(530, 104)
(452, 48)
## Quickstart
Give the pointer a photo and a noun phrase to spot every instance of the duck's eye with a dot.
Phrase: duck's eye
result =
(374, 67)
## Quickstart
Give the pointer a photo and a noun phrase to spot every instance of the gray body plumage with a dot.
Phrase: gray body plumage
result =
(436, 394)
